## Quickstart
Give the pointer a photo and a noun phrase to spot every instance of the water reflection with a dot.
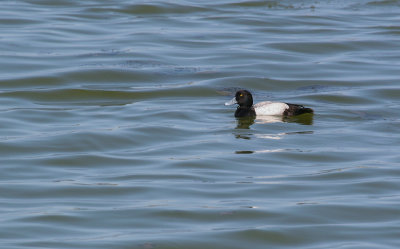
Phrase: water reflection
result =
(244, 152)
(305, 119)
(245, 123)
(260, 151)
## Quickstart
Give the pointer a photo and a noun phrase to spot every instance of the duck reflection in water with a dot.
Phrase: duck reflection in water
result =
(243, 124)
(246, 122)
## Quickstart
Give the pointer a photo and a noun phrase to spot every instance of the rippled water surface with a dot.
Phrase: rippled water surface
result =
(114, 132)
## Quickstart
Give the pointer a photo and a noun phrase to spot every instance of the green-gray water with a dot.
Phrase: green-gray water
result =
(114, 133)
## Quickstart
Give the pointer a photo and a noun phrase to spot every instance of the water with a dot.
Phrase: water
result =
(114, 132)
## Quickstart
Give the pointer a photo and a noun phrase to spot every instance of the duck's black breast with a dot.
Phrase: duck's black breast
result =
(245, 112)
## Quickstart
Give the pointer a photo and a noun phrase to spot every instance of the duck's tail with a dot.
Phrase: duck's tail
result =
(297, 110)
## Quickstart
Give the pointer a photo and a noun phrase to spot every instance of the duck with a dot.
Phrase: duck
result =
(266, 108)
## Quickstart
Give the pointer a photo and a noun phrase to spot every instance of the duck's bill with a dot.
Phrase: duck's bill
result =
(232, 102)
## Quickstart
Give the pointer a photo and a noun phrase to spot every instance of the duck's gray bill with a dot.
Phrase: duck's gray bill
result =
(232, 102)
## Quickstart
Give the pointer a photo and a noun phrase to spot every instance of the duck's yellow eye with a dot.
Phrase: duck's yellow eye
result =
(241, 95)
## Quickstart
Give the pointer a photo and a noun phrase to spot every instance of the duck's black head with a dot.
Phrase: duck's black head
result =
(245, 101)
(244, 98)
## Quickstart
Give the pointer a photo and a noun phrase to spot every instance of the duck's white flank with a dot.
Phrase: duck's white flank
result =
(270, 108)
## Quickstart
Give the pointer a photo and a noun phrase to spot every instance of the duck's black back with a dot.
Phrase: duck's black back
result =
(296, 110)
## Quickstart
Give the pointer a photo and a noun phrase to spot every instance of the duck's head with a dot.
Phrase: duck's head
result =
(243, 98)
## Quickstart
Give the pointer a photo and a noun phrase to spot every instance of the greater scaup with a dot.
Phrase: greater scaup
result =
(246, 108)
